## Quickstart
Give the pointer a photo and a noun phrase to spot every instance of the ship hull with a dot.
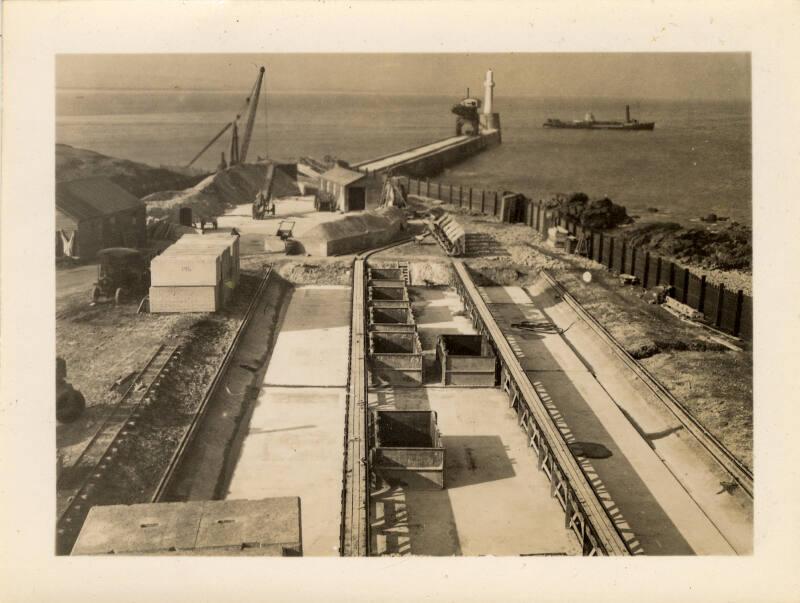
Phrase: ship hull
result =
(622, 126)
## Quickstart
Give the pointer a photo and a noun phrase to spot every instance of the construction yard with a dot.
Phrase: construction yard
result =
(105, 343)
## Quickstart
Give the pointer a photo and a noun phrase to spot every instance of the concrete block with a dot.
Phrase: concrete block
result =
(177, 269)
(247, 524)
(217, 241)
(185, 299)
(252, 527)
(124, 529)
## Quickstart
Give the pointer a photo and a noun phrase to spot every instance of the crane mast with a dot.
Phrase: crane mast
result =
(251, 117)
(238, 152)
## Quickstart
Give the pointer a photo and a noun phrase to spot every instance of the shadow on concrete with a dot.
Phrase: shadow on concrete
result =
(412, 522)
(478, 459)
(424, 295)
(427, 314)
(429, 336)
(629, 502)
(399, 398)
(651, 436)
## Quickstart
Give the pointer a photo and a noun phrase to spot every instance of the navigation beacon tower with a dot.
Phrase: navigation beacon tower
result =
(489, 120)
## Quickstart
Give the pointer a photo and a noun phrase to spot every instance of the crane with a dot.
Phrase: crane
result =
(238, 152)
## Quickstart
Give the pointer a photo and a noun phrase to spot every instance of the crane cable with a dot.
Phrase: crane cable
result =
(243, 107)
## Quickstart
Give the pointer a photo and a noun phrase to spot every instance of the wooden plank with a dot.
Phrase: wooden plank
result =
(355, 499)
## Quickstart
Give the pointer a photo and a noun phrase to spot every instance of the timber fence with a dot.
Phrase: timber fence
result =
(729, 311)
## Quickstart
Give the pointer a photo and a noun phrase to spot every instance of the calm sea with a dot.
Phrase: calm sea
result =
(697, 161)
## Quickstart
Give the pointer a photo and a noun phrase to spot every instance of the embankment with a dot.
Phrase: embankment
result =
(137, 178)
(211, 196)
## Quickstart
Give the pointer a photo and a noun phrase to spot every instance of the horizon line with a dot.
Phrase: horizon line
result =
(399, 93)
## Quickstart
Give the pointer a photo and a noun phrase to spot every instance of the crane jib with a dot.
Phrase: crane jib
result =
(238, 153)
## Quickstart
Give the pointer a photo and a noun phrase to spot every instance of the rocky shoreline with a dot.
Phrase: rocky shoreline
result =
(718, 249)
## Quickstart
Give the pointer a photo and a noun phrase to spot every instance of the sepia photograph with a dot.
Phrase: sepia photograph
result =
(399, 301)
(396, 304)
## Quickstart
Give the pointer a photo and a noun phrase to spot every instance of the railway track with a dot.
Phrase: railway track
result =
(724, 457)
(95, 462)
(188, 436)
(99, 454)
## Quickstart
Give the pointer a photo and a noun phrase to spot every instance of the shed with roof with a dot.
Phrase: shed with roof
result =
(95, 213)
(351, 189)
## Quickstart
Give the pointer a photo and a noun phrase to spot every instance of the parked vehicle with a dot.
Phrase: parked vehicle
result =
(122, 273)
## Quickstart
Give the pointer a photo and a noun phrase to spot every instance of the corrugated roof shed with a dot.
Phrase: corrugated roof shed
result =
(93, 197)
(342, 176)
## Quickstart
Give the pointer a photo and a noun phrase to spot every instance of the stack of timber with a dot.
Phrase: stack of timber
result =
(198, 273)
(449, 234)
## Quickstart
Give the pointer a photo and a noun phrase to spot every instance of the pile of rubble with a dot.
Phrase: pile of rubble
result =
(599, 214)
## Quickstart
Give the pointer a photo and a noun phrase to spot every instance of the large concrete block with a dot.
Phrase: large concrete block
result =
(269, 526)
(216, 241)
(185, 299)
(176, 269)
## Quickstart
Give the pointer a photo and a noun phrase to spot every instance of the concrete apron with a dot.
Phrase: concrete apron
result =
(495, 501)
(651, 507)
(686, 458)
(293, 445)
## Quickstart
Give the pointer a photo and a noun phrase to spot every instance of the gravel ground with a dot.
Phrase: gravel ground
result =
(115, 330)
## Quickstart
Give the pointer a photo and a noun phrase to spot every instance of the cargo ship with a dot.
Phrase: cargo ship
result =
(590, 123)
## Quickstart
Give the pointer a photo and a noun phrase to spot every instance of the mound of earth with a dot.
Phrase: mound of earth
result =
(600, 214)
(728, 247)
(235, 185)
(137, 178)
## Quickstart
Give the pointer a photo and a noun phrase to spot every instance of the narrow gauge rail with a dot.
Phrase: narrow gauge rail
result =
(96, 458)
(177, 457)
(734, 467)
(584, 512)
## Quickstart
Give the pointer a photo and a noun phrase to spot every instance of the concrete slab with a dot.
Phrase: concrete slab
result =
(294, 447)
(256, 233)
(438, 311)
(250, 524)
(311, 348)
(536, 351)
(679, 450)
(200, 527)
(504, 295)
(496, 501)
(650, 506)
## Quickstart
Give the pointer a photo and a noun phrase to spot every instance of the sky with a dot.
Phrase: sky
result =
(701, 76)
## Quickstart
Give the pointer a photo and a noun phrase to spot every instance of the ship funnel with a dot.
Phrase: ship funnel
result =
(627, 113)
